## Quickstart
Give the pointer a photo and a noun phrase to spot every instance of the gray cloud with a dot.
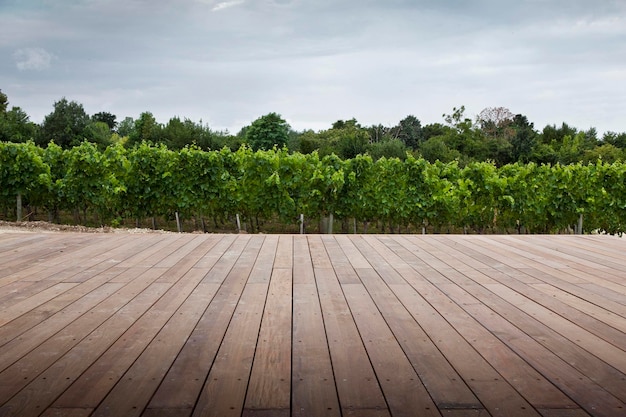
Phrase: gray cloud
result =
(314, 62)
(32, 59)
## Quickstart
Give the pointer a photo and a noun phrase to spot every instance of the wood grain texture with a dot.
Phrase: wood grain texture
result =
(180, 325)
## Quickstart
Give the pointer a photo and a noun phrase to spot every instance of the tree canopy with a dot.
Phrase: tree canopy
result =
(495, 134)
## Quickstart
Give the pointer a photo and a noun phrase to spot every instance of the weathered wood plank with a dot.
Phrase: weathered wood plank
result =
(290, 325)
(269, 388)
(357, 386)
(183, 383)
(313, 384)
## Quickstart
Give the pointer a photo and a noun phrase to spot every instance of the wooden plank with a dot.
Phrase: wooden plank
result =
(302, 264)
(96, 381)
(340, 263)
(403, 390)
(477, 325)
(183, 383)
(262, 269)
(101, 268)
(589, 309)
(284, 252)
(319, 257)
(562, 374)
(62, 359)
(588, 367)
(224, 392)
(63, 262)
(357, 385)
(269, 389)
(443, 383)
(313, 385)
(433, 310)
(14, 311)
(569, 322)
(36, 248)
(560, 278)
(219, 261)
(14, 347)
(134, 390)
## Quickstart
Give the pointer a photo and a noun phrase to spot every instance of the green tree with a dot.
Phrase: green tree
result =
(4, 102)
(436, 149)
(98, 133)
(66, 124)
(524, 140)
(409, 131)
(126, 126)
(346, 139)
(15, 126)
(145, 129)
(267, 131)
(606, 153)
(616, 139)
(388, 148)
(105, 117)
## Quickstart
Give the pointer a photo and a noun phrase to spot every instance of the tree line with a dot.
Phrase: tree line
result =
(121, 186)
(496, 135)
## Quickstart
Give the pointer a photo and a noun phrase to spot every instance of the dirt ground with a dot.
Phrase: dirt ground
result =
(45, 227)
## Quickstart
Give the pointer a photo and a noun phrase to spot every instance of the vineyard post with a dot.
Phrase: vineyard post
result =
(238, 223)
(579, 229)
(19, 206)
(301, 223)
(330, 224)
(178, 223)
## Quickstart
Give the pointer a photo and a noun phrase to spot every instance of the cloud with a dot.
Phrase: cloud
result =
(36, 59)
(226, 4)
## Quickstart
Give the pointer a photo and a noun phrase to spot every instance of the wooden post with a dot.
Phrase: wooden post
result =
(19, 206)
(301, 223)
(180, 229)
(579, 229)
(238, 223)
(330, 224)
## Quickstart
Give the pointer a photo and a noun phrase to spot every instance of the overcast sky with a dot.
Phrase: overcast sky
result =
(318, 61)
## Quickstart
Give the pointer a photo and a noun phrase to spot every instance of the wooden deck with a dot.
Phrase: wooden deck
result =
(343, 325)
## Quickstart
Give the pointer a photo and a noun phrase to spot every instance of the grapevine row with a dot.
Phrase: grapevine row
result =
(119, 184)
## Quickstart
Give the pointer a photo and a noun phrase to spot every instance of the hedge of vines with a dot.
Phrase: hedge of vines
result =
(117, 185)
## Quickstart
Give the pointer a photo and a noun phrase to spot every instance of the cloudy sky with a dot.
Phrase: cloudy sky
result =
(318, 61)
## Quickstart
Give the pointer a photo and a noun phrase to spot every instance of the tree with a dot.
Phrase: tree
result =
(616, 139)
(107, 118)
(436, 149)
(524, 140)
(15, 126)
(267, 131)
(345, 139)
(389, 148)
(496, 121)
(409, 131)
(145, 129)
(98, 133)
(126, 126)
(4, 102)
(65, 125)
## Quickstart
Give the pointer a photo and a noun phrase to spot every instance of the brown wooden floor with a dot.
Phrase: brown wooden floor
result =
(268, 325)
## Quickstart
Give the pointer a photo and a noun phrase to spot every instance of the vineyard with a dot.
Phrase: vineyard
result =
(118, 186)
